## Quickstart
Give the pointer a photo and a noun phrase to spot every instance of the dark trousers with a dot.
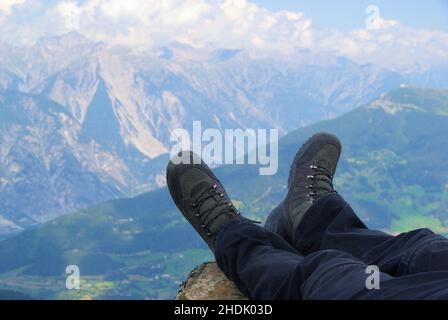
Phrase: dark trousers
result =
(330, 256)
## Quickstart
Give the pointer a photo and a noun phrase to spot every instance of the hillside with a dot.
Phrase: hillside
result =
(393, 171)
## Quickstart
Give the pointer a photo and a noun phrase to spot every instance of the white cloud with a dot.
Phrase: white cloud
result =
(392, 45)
(6, 6)
(228, 24)
(380, 23)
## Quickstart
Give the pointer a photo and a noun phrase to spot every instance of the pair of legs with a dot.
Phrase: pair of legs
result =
(330, 256)
(313, 245)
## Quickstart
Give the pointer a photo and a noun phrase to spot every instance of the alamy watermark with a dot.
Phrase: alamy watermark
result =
(373, 280)
(73, 20)
(374, 17)
(73, 280)
(235, 146)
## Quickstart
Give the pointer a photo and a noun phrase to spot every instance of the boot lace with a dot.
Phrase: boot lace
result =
(219, 206)
(319, 174)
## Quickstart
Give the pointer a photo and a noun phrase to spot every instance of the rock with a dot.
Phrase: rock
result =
(208, 282)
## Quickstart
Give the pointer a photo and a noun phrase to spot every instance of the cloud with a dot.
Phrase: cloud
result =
(381, 23)
(200, 23)
(222, 24)
(390, 45)
(6, 6)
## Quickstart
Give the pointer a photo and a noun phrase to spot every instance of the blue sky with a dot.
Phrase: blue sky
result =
(350, 14)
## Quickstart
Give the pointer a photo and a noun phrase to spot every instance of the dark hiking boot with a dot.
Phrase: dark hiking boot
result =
(310, 179)
(200, 196)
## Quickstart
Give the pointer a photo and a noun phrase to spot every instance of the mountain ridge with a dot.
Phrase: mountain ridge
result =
(146, 95)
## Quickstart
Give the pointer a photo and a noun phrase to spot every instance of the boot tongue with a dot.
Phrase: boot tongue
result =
(325, 185)
(326, 164)
(202, 190)
(214, 214)
(202, 187)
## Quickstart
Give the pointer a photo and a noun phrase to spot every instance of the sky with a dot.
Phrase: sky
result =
(350, 14)
(393, 34)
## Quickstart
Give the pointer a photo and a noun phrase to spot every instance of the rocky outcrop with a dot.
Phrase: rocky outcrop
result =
(207, 282)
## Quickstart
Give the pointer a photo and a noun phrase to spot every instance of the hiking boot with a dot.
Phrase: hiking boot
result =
(200, 196)
(310, 179)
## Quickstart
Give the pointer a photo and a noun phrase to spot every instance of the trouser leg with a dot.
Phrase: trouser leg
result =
(262, 264)
(265, 266)
(332, 224)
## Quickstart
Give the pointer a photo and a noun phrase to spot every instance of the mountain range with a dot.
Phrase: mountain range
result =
(392, 171)
(82, 122)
